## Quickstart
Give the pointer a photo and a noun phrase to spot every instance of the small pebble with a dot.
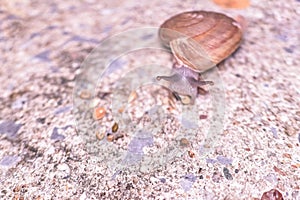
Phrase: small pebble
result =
(100, 135)
(227, 174)
(211, 161)
(274, 131)
(17, 188)
(41, 120)
(115, 127)
(121, 110)
(199, 170)
(56, 136)
(135, 180)
(139, 141)
(110, 137)
(118, 136)
(190, 177)
(185, 100)
(132, 97)
(153, 180)
(85, 94)
(290, 130)
(287, 155)
(187, 182)
(279, 171)
(203, 116)
(63, 170)
(62, 110)
(191, 154)
(10, 161)
(271, 177)
(295, 194)
(10, 129)
(216, 177)
(19, 102)
(129, 186)
(94, 102)
(99, 113)
(224, 161)
(184, 142)
(83, 196)
(289, 49)
(163, 180)
(43, 56)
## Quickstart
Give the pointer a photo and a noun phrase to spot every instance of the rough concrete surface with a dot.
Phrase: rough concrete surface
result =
(44, 156)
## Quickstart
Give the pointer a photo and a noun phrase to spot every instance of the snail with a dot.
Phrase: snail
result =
(199, 40)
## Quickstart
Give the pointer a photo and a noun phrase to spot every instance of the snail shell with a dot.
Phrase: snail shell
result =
(201, 39)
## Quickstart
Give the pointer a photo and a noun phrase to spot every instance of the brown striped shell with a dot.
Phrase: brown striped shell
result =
(201, 39)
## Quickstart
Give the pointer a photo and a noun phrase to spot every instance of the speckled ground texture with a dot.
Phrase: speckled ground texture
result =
(42, 156)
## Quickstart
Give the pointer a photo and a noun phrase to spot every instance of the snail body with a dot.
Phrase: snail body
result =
(199, 40)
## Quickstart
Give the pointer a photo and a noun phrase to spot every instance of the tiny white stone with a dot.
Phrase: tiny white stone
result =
(83, 196)
(63, 170)
(63, 167)
(153, 179)
(50, 151)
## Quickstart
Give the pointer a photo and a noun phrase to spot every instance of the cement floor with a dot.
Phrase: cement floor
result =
(44, 156)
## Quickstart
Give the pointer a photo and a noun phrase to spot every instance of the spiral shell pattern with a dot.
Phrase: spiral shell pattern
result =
(201, 39)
